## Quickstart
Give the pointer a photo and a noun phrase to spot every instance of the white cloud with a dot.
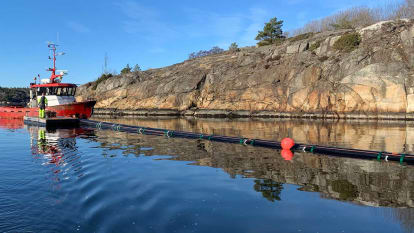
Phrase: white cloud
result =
(146, 21)
(134, 10)
(239, 27)
(222, 29)
(201, 24)
(77, 27)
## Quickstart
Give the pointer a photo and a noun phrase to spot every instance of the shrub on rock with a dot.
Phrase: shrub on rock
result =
(348, 42)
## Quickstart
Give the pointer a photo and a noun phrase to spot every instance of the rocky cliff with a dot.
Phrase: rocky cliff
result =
(305, 76)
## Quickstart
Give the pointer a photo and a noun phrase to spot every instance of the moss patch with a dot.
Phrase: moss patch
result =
(315, 45)
(301, 37)
(348, 42)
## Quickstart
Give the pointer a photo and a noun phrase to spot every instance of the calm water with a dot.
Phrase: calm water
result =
(82, 180)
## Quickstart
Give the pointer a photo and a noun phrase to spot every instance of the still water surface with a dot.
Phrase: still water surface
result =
(84, 180)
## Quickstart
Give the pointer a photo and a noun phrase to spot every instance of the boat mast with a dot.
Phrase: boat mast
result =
(54, 60)
(53, 76)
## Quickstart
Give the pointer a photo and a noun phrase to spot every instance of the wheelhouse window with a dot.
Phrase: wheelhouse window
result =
(41, 90)
(59, 91)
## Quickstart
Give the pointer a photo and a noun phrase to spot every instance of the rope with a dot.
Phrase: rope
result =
(115, 127)
(141, 131)
(379, 156)
(243, 141)
(312, 148)
(402, 158)
(167, 133)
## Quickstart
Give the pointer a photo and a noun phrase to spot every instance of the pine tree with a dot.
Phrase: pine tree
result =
(126, 70)
(136, 68)
(272, 32)
(234, 47)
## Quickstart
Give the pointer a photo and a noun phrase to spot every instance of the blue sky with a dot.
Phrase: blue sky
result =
(149, 33)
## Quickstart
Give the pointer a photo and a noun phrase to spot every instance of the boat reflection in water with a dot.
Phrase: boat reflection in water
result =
(11, 124)
(56, 148)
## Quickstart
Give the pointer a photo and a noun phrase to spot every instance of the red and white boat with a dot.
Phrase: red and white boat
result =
(60, 97)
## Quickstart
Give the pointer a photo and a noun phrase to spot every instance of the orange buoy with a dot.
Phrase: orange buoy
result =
(287, 143)
(287, 154)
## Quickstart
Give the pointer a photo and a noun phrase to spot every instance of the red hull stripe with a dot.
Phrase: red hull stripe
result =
(78, 109)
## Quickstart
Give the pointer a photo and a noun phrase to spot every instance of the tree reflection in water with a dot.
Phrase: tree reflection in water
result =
(270, 189)
(347, 191)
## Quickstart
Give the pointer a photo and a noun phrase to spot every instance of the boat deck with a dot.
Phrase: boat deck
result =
(56, 122)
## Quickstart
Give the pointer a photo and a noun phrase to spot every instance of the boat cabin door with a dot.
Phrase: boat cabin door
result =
(33, 98)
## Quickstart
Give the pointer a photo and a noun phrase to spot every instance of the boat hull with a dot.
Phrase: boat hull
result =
(81, 110)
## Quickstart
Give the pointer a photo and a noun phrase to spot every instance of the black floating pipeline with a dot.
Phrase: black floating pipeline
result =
(286, 144)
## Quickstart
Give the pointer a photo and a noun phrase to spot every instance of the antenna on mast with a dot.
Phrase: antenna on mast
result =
(52, 47)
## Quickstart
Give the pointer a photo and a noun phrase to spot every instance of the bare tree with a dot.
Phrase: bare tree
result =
(359, 17)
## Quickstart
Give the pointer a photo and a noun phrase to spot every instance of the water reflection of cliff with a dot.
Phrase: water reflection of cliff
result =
(363, 182)
(392, 136)
(403, 215)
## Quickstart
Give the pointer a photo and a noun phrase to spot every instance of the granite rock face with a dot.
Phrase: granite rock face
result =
(376, 79)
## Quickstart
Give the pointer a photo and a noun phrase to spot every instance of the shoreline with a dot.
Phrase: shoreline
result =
(217, 113)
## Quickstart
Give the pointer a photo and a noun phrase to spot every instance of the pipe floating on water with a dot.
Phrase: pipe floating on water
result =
(287, 144)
